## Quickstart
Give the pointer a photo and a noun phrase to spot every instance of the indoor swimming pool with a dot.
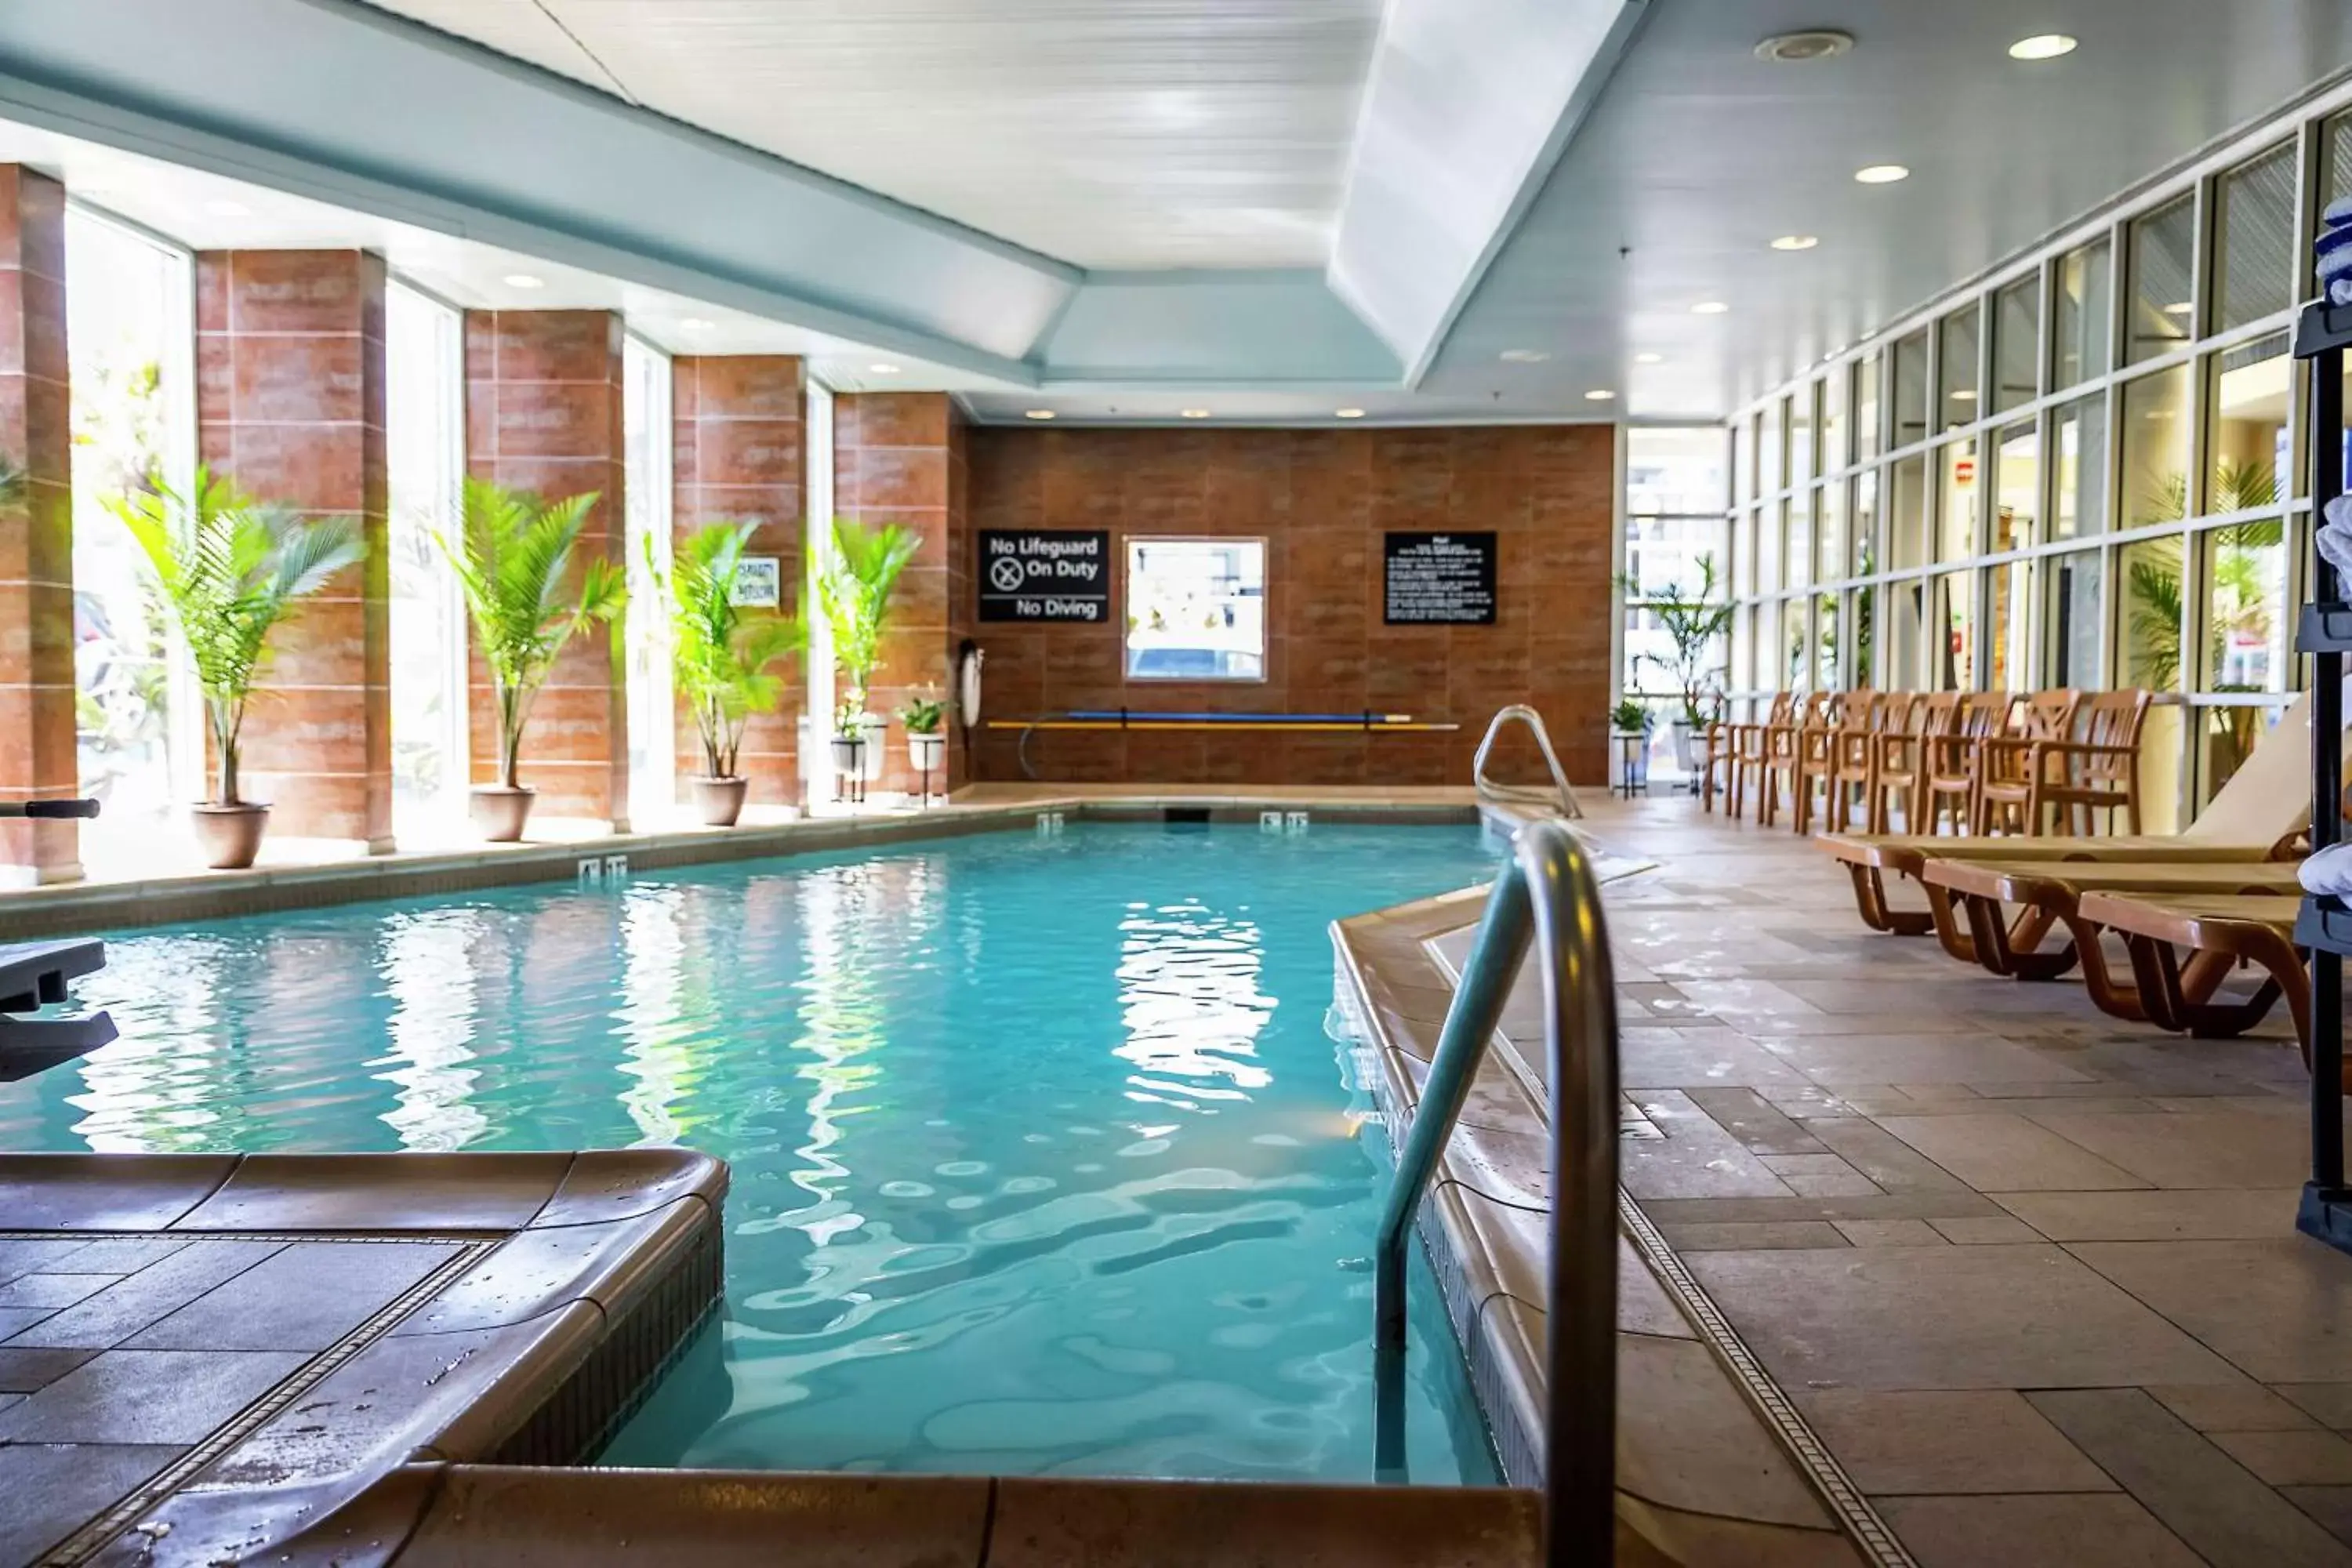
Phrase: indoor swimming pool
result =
(1044, 1161)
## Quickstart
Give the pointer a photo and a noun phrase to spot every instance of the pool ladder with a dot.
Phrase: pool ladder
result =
(1560, 797)
(1546, 898)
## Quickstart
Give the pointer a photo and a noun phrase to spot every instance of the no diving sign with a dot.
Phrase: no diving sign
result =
(1045, 574)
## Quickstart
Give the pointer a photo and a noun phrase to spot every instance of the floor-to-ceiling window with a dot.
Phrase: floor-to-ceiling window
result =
(653, 721)
(137, 719)
(425, 439)
(1676, 483)
(2084, 471)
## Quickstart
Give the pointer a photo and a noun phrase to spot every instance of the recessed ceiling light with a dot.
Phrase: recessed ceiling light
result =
(696, 324)
(1039, 413)
(1598, 395)
(882, 369)
(1525, 356)
(1194, 413)
(523, 281)
(1962, 395)
(1347, 414)
(1709, 308)
(2042, 46)
(228, 209)
(1649, 359)
(1804, 48)
(2179, 307)
(1796, 242)
(1882, 173)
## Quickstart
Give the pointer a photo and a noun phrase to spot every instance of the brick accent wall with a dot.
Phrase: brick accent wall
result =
(290, 407)
(37, 632)
(739, 455)
(544, 413)
(1321, 499)
(891, 464)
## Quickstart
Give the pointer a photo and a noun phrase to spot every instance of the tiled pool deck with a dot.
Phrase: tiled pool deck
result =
(2029, 1274)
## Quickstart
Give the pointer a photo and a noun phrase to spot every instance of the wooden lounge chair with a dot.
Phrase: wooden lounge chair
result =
(2263, 808)
(2218, 932)
(2050, 893)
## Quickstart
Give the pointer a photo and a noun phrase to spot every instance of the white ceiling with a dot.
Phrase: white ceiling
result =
(1110, 134)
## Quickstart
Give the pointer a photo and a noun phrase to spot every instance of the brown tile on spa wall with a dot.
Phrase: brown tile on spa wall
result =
(290, 409)
(37, 648)
(739, 455)
(894, 457)
(544, 413)
(1322, 500)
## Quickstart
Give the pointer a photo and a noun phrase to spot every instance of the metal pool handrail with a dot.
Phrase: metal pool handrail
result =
(1544, 896)
(1489, 790)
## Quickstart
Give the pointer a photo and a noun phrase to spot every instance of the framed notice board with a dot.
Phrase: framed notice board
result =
(1439, 579)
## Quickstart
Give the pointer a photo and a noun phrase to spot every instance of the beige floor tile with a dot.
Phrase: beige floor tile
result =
(1988, 1440)
(2311, 1458)
(2277, 1308)
(1696, 1159)
(2155, 1216)
(54, 1490)
(1993, 1230)
(1760, 1125)
(1702, 1236)
(1914, 1059)
(1946, 1316)
(2004, 1152)
(2191, 1149)
(1692, 1057)
(2078, 1532)
(1890, 1233)
(2201, 1494)
(2329, 1403)
(2245, 1406)
(1885, 1159)
(1820, 1176)
(1686, 1438)
(2331, 1506)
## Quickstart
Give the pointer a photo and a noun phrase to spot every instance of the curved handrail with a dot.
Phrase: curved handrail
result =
(1488, 789)
(1545, 897)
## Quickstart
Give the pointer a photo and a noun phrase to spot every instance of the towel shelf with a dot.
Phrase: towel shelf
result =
(2324, 628)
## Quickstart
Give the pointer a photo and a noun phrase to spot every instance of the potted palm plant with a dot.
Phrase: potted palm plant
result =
(855, 594)
(512, 560)
(723, 659)
(1694, 621)
(227, 569)
(925, 717)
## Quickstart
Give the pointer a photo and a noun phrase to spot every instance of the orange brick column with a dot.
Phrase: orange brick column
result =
(37, 667)
(740, 456)
(289, 406)
(891, 464)
(543, 414)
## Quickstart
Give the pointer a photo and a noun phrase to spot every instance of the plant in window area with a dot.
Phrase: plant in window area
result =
(925, 717)
(1695, 621)
(1630, 718)
(724, 658)
(854, 592)
(228, 569)
(512, 558)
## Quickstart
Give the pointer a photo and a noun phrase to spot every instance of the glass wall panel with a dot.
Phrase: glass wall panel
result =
(2083, 312)
(1906, 517)
(1868, 443)
(1861, 535)
(2017, 489)
(1772, 446)
(1798, 559)
(1956, 511)
(1797, 643)
(2071, 615)
(2156, 434)
(1743, 555)
(1743, 658)
(2079, 498)
(1837, 422)
(1865, 613)
(1768, 525)
(2017, 343)
(2254, 260)
(1829, 532)
(1957, 367)
(1769, 675)
(1911, 389)
(2248, 619)
(1952, 623)
(1674, 471)
(2163, 280)
(2253, 453)
(2231, 735)
(1827, 653)
(2006, 597)
(2335, 178)
(1743, 453)
(646, 438)
(425, 442)
(1804, 422)
(2150, 615)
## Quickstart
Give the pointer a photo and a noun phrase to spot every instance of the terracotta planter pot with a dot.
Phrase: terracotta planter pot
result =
(499, 813)
(721, 801)
(229, 835)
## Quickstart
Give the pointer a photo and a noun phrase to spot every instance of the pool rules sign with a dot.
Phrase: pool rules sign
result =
(1045, 574)
(1439, 579)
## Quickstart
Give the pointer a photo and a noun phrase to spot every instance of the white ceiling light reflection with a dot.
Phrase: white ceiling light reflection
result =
(426, 963)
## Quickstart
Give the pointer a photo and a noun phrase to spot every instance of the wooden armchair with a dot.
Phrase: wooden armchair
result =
(2007, 786)
(1825, 754)
(1899, 763)
(1783, 749)
(1748, 743)
(1859, 756)
(1953, 774)
(2075, 775)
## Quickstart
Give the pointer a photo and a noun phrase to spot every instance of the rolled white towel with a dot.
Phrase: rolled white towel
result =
(2335, 542)
(2328, 872)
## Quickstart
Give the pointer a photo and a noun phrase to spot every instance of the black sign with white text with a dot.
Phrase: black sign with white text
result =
(1441, 579)
(1045, 574)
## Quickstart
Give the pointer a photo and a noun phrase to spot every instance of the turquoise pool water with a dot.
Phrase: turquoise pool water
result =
(1043, 1159)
